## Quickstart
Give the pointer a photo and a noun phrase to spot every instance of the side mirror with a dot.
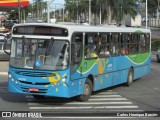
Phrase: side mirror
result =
(6, 46)
(74, 56)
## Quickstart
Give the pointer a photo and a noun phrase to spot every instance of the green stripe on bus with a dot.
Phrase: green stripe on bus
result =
(139, 58)
(86, 65)
(138, 31)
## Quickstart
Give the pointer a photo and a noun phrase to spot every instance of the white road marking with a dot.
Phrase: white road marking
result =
(3, 73)
(100, 99)
(93, 96)
(91, 99)
(156, 89)
(85, 103)
(109, 101)
(105, 96)
(80, 107)
(106, 93)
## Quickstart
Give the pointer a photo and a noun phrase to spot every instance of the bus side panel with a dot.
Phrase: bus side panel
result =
(141, 71)
(77, 87)
(102, 81)
(120, 77)
(120, 69)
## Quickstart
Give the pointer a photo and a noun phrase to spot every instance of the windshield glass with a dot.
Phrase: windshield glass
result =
(39, 54)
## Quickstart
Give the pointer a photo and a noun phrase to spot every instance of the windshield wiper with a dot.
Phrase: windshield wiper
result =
(48, 49)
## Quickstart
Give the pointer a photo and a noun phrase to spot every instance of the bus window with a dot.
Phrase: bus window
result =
(104, 45)
(115, 43)
(147, 41)
(125, 43)
(91, 45)
(142, 47)
(134, 43)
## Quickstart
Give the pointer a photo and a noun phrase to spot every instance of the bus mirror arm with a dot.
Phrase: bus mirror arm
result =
(4, 47)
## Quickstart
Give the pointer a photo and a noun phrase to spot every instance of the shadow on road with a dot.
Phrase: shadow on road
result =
(10, 97)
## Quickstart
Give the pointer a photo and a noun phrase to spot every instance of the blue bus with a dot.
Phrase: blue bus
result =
(75, 60)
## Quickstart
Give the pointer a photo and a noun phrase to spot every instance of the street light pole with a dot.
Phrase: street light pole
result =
(19, 11)
(89, 12)
(63, 13)
(48, 11)
(146, 14)
(77, 12)
(100, 14)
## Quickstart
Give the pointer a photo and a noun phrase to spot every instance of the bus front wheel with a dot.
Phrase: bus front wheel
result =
(87, 91)
(130, 77)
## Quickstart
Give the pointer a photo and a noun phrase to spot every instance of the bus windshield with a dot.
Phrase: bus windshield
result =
(39, 54)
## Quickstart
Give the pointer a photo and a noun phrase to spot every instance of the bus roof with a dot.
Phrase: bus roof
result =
(89, 28)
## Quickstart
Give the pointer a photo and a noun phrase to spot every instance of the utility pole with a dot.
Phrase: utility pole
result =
(48, 11)
(146, 14)
(38, 9)
(77, 12)
(100, 14)
(89, 12)
(19, 11)
(63, 13)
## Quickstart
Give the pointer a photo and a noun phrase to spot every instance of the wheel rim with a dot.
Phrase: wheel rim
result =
(86, 90)
(130, 77)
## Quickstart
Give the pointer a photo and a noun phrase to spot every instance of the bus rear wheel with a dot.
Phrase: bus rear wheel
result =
(130, 78)
(87, 91)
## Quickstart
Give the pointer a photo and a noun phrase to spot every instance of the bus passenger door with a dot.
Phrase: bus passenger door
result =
(76, 58)
(76, 55)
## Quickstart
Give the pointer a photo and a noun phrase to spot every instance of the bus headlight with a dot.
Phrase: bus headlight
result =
(12, 79)
(64, 79)
(9, 75)
(16, 82)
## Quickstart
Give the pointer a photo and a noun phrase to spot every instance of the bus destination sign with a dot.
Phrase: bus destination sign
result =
(40, 30)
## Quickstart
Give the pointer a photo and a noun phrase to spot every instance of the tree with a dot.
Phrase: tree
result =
(13, 15)
(38, 8)
(111, 9)
(124, 7)
(152, 6)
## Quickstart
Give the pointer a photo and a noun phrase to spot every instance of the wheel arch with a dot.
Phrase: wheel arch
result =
(132, 68)
(91, 77)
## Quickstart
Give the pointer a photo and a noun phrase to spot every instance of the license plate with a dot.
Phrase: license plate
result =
(33, 89)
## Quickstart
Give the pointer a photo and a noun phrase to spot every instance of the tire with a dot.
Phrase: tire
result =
(130, 78)
(158, 60)
(87, 91)
(38, 96)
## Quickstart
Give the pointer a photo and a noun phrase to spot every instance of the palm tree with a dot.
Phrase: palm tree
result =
(124, 7)
(116, 9)
(111, 9)
(71, 8)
